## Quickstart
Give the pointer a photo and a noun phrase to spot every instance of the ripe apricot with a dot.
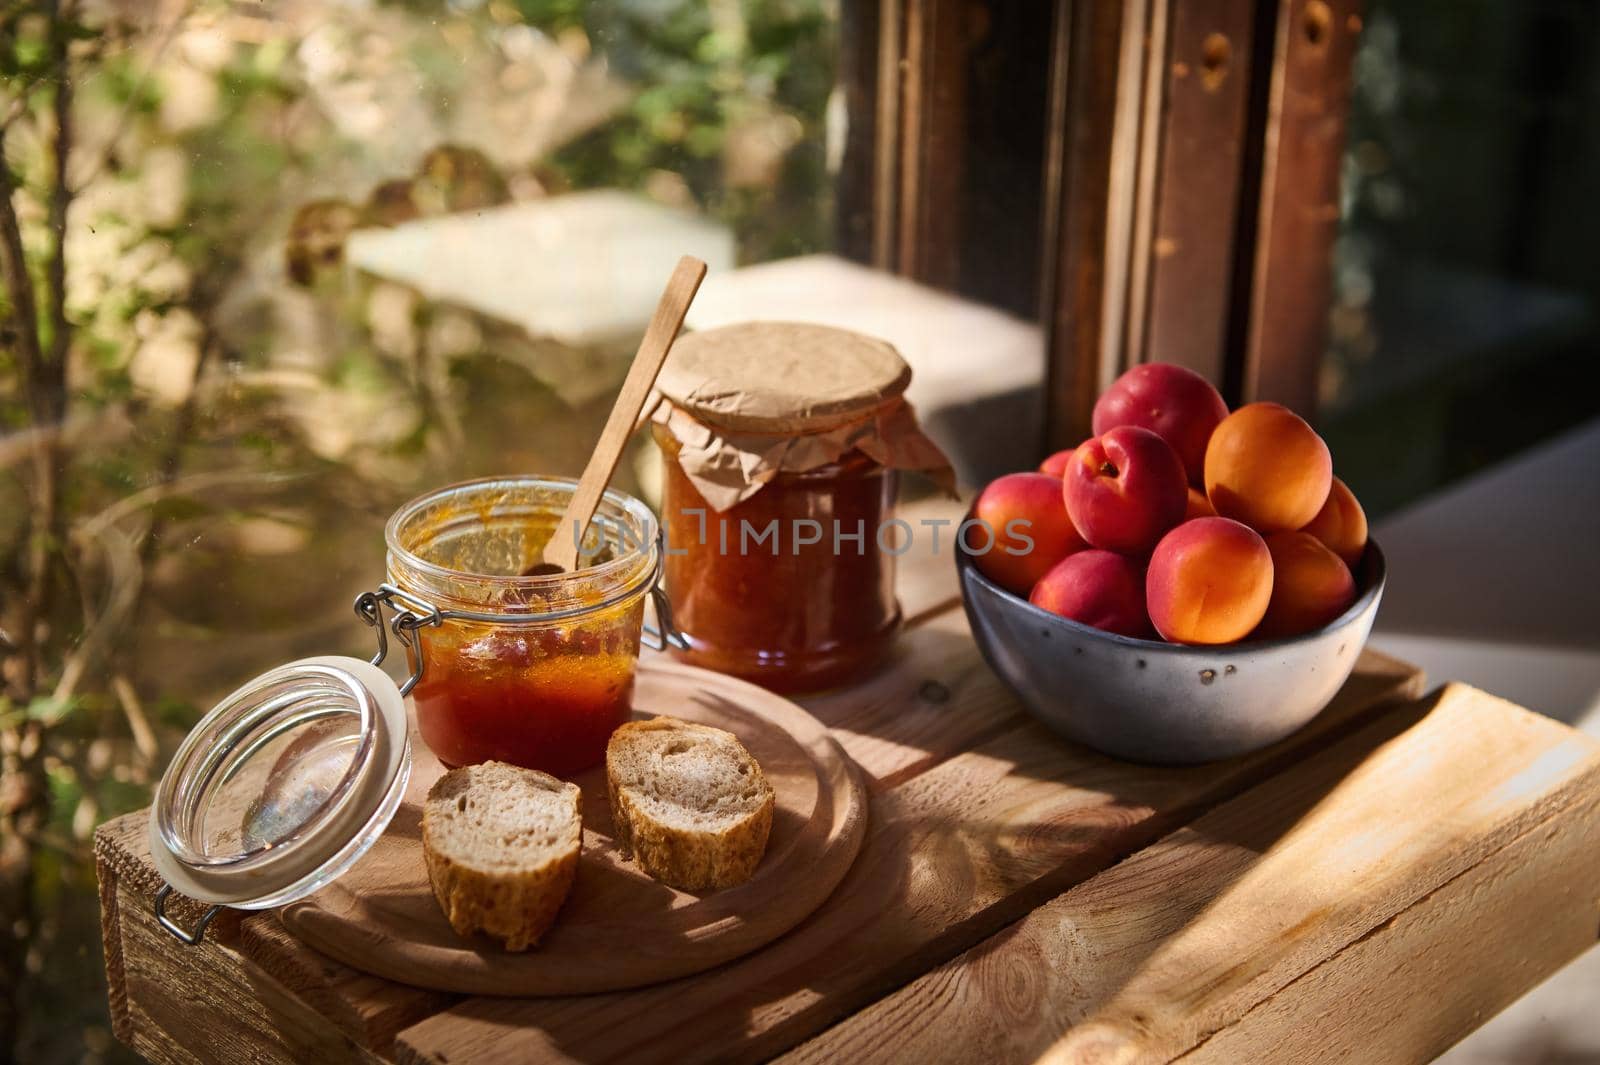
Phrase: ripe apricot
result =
(1020, 554)
(1056, 464)
(1267, 468)
(1098, 588)
(1175, 403)
(1341, 524)
(1209, 582)
(1199, 506)
(1310, 585)
(1124, 489)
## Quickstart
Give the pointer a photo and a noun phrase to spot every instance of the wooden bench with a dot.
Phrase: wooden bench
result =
(1372, 889)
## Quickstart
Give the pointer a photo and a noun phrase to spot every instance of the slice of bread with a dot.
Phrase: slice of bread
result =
(502, 849)
(688, 801)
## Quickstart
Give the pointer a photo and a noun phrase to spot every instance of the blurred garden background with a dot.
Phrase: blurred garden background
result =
(206, 413)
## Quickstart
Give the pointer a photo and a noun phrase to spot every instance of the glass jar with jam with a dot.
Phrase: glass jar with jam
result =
(782, 445)
(290, 779)
(533, 670)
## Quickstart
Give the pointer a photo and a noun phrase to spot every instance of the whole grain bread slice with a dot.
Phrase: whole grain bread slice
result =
(689, 802)
(502, 846)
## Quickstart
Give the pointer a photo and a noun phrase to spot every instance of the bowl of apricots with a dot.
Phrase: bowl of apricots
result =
(1188, 584)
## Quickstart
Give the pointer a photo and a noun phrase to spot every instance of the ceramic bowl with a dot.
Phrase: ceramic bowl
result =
(1149, 701)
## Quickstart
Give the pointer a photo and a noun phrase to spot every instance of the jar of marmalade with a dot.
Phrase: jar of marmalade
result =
(782, 443)
(536, 671)
(289, 780)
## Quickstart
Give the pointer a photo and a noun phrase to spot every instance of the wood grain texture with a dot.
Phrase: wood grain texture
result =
(618, 928)
(935, 700)
(365, 1008)
(952, 855)
(1086, 53)
(1418, 983)
(932, 113)
(1150, 958)
(209, 1003)
(368, 1008)
(1297, 213)
(1199, 174)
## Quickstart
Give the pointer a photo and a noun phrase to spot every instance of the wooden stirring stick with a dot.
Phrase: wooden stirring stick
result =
(561, 553)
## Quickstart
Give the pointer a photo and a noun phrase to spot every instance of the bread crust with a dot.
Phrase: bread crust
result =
(686, 858)
(516, 906)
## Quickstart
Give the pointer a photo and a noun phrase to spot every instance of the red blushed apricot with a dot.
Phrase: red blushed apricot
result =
(1056, 464)
(1341, 524)
(1310, 585)
(1199, 506)
(1176, 404)
(1267, 468)
(1209, 582)
(1031, 530)
(1098, 588)
(1124, 489)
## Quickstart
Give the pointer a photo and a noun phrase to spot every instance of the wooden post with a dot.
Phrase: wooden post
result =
(1086, 56)
(1192, 194)
(1297, 206)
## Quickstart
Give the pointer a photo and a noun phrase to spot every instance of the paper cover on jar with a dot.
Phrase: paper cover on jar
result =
(749, 401)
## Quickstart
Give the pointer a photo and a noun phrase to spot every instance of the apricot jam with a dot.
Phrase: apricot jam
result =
(789, 615)
(536, 671)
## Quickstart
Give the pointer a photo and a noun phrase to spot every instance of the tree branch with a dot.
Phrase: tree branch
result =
(19, 286)
(60, 203)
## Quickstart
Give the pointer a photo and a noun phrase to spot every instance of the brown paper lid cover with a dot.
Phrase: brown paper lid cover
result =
(781, 377)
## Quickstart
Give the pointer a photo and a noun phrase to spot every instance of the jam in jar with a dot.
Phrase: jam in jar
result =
(782, 444)
(536, 671)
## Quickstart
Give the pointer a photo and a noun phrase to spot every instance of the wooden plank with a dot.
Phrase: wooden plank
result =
(368, 1008)
(932, 134)
(1298, 210)
(1200, 171)
(952, 855)
(1085, 56)
(353, 1004)
(201, 1004)
(1416, 985)
(936, 699)
(181, 1004)
(111, 949)
(1151, 62)
(1383, 834)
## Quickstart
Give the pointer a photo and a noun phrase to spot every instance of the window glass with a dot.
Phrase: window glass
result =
(1464, 319)
(318, 258)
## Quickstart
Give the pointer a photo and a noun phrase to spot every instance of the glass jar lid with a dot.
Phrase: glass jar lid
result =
(283, 785)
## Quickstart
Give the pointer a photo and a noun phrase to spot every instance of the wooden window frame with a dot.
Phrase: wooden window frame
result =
(1190, 158)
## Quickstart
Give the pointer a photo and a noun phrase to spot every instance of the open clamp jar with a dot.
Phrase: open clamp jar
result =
(288, 780)
(783, 443)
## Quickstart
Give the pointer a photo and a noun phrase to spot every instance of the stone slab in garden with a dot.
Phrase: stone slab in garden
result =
(577, 274)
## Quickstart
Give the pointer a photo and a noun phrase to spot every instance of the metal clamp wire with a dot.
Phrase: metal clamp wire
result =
(192, 937)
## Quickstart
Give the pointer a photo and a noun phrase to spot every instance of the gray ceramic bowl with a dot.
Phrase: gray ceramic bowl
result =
(1149, 701)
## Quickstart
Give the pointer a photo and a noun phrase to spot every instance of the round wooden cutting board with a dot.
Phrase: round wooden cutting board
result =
(618, 927)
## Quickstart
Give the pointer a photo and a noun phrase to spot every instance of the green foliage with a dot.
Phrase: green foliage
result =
(696, 81)
(184, 191)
